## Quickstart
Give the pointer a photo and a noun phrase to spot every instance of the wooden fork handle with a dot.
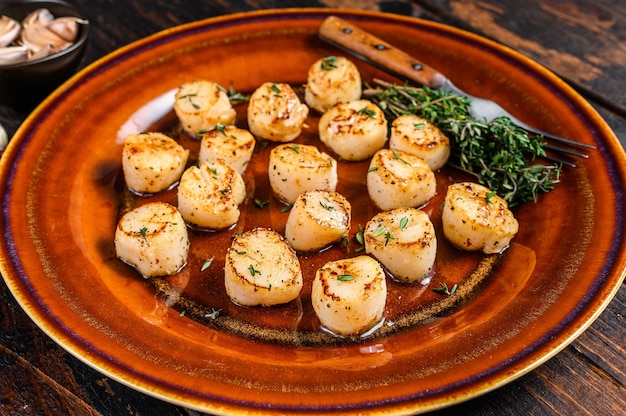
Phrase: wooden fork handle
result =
(356, 41)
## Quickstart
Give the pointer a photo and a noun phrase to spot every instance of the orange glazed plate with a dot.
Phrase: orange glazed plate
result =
(180, 339)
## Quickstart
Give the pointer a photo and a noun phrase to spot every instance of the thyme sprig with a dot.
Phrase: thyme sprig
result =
(498, 153)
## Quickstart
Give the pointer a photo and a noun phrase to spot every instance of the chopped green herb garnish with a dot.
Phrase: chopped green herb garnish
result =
(253, 271)
(443, 288)
(328, 63)
(276, 90)
(367, 112)
(380, 230)
(221, 127)
(236, 97)
(206, 264)
(388, 237)
(327, 207)
(397, 157)
(345, 277)
(403, 222)
(259, 203)
(189, 98)
(213, 314)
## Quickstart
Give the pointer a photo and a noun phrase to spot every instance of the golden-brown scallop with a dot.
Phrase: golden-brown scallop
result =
(297, 168)
(200, 105)
(404, 241)
(262, 269)
(275, 112)
(317, 219)
(152, 162)
(418, 136)
(475, 218)
(153, 239)
(398, 179)
(229, 143)
(209, 195)
(354, 130)
(349, 295)
(332, 80)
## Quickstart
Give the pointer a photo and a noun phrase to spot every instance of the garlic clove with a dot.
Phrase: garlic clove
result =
(36, 37)
(9, 30)
(38, 17)
(66, 27)
(10, 55)
(44, 51)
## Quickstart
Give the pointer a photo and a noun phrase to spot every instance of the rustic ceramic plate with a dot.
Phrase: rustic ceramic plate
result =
(181, 340)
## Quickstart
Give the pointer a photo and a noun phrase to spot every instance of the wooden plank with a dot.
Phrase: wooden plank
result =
(588, 49)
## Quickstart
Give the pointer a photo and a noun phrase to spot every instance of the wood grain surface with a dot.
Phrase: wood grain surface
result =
(582, 41)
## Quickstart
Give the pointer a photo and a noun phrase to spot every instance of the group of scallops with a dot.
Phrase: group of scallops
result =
(261, 265)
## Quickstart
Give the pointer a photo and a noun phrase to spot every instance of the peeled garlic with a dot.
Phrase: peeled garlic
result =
(41, 30)
(4, 139)
(40, 34)
(13, 54)
(9, 30)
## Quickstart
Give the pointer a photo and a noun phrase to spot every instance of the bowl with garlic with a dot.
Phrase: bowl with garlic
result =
(41, 45)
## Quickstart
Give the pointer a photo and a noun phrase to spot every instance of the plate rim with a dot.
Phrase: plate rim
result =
(102, 63)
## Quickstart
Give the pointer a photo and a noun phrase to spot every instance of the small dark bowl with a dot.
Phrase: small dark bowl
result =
(25, 84)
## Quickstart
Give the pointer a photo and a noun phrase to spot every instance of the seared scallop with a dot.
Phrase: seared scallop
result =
(398, 179)
(209, 195)
(332, 80)
(200, 105)
(404, 241)
(262, 269)
(153, 239)
(418, 136)
(475, 218)
(317, 219)
(152, 162)
(229, 143)
(296, 168)
(275, 112)
(349, 295)
(354, 130)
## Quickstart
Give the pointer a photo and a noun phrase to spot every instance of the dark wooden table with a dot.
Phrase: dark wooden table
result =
(583, 41)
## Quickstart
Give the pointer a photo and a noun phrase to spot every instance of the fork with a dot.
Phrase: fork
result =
(369, 48)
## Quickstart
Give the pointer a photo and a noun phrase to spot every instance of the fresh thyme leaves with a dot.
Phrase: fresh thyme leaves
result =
(443, 288)
(276, 90)
(213, 314)
(345, 277)
(206, 264)
(498, 153)
(397, 157)
(260, 203)
(328, 63)
(221, 127)
(367, 112)
(253, 271)
(236, 97)
(380, 230)
(189, 98)
(360, 239)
